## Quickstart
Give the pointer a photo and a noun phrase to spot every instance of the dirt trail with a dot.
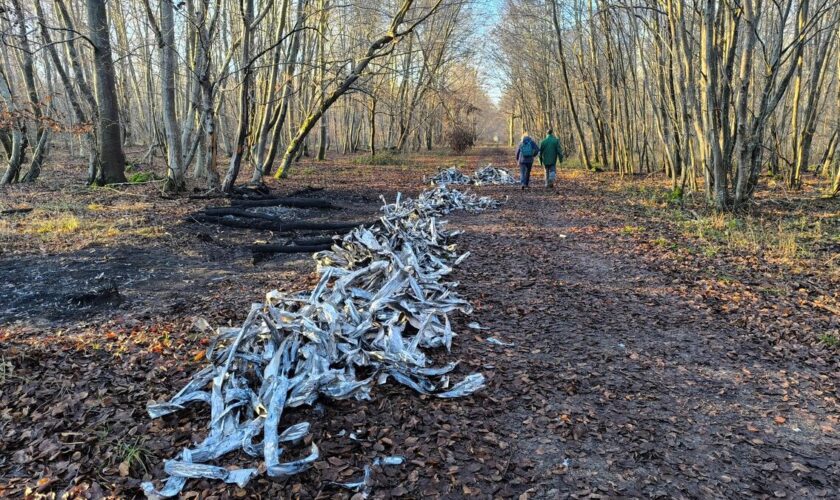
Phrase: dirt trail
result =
(617, 385)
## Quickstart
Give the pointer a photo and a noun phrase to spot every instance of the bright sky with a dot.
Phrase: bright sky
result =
(490, 12)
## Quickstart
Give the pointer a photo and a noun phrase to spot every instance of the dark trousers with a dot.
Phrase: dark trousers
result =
(525, 173)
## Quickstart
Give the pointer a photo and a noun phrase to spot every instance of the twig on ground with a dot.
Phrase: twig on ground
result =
(11, 211)
(285, 201)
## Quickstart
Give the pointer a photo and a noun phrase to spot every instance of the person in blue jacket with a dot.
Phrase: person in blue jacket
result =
(526, 151)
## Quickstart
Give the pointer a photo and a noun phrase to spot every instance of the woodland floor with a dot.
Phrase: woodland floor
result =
(650, 359)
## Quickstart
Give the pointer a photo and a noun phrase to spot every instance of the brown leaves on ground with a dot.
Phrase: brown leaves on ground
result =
(649, 358)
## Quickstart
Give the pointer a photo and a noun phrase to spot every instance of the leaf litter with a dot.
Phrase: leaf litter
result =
(629, 422)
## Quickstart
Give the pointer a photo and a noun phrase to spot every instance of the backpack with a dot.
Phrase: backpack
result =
(526, 150)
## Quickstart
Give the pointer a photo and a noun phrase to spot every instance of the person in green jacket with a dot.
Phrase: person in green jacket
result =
(550, 154)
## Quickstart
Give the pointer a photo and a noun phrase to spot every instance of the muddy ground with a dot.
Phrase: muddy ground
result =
(639, 369)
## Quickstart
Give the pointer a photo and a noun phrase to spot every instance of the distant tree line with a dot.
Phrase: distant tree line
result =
(722, 91)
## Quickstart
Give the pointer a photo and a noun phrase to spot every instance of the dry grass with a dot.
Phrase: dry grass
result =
(781, 241)
(62, 224)
(69, 224)
(797, 233)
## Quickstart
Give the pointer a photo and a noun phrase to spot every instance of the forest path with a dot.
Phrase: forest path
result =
(622, 381)
(630, 374)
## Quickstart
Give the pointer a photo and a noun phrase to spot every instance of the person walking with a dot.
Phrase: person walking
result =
(550, 154)
(527, 150)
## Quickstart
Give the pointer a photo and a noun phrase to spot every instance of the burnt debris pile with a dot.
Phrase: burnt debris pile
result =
(380, 304)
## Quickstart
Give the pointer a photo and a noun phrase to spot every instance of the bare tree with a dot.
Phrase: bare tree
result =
(110, 156)
(376, 49)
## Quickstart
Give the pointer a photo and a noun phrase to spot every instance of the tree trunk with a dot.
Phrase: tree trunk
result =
(17, 140)
(803, 141)
(42, 135)
(206, 164)
(322, 76)
(831, 154)
(271, 113)
(711, 125)
(372, 126)
(172, 130)
(570, 101)
(244, 97)
(291, 59)
(111, 156)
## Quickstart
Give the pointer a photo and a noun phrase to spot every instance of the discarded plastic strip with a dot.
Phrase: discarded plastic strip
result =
(492, 175)
(484, 176)
(468, 385)
(450, 175)
(362, 485)
(494, 340)
(392, 460)
(379, 303)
